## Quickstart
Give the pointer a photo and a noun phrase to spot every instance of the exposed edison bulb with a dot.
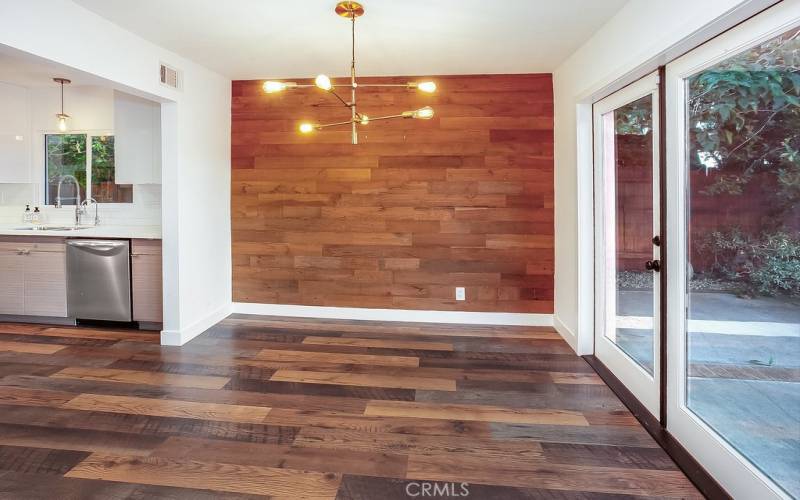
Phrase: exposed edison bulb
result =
(306, 128)
(62, 123)
(428, 87)
(323, 82)
(425, 113)
(364, 119)
(271, 87)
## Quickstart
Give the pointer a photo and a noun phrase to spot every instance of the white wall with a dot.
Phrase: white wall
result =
(642, 36)
(196, 122)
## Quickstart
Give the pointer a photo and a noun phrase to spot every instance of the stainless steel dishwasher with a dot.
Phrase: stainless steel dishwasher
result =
(99, 279)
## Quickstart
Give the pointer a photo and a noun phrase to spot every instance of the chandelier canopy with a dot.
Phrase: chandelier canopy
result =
(352, 10)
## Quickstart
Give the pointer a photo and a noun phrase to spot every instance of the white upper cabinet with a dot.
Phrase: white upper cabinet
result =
(137, 140)
(15, 134)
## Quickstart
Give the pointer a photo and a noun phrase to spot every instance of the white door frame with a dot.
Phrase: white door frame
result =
(644, 386)
(735, 473)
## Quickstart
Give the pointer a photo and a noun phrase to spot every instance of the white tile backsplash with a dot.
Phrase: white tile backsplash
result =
(144, 211)
(16, 194)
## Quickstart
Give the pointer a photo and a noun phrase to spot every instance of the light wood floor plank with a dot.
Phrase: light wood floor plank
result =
(30, 347)
(168, 408)
(274, 482)
(142, 377)
(479, 413)
(576, 378)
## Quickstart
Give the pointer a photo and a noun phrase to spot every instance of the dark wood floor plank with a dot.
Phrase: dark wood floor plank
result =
(333, 357)
(88, 440)
(380, 343)
(368, 424)
(450, 447)
(294, 386)
(353, 379)
(607, 456)
(146, 425)
(39, 460)
(552, 476)
(595, 434)
(369, 488)
(19, 486)
(298, 457)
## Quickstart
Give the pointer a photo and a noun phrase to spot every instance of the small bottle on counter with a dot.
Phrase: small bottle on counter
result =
(26, 215)
(36, 216)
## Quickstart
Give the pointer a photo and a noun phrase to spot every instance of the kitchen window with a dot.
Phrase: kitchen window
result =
(90, 159)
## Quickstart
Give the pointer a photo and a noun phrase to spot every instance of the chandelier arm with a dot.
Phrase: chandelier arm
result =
(337, 124)
(346, 104)
(387, 117)
(404, 85)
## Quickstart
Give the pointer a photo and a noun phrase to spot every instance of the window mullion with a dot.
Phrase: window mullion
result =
(88, 166)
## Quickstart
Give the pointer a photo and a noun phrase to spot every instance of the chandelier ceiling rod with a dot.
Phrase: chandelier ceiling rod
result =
(352, 10)
(354, 114)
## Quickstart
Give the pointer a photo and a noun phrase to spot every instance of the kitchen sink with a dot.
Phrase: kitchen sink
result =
(49, 228)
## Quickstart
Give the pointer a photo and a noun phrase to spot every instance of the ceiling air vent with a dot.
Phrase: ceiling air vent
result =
(171, 77)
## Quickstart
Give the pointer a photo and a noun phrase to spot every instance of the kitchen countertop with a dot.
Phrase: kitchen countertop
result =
(101, 231)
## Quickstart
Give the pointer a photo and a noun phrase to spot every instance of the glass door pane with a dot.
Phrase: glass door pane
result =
(629, 185)
(742, 169)
(626, 222)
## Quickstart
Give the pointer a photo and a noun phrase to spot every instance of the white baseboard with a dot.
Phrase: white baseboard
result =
(180, 337)
(360, 313)
(566, 333)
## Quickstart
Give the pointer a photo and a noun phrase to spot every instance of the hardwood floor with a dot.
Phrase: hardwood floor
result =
(293, 408)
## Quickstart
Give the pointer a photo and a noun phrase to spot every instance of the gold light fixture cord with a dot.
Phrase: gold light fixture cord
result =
(353, 113)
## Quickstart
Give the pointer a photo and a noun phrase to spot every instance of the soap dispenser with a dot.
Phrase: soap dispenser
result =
(26, 215)
(36, 217)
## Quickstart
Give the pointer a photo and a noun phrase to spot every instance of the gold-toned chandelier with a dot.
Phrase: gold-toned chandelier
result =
(352, 10)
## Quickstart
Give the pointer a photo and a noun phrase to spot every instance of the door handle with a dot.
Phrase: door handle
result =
(653, 265)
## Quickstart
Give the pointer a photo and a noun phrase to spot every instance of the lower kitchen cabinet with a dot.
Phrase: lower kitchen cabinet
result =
(147, 288)
(12, 281)
(33, 278)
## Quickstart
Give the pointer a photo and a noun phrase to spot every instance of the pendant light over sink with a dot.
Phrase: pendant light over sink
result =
(62, 117)
(352, 10)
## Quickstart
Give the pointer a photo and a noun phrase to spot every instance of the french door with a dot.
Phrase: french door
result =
(627, 265)
(733, 221)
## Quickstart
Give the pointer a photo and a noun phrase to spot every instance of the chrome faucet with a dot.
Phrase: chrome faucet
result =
(78, 205)
(85, 209)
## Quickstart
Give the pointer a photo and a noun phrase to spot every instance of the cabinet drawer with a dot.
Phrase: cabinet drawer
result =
(146, 247)
(32, 243)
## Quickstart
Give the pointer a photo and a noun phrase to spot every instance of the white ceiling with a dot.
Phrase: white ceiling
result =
(26, 70)
(252, 39)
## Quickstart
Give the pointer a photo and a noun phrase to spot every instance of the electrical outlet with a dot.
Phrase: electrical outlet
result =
(461, 293)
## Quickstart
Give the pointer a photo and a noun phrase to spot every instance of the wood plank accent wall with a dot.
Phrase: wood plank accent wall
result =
(414, 210)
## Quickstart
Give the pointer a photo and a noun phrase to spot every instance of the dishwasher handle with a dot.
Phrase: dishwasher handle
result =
(99, 247)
